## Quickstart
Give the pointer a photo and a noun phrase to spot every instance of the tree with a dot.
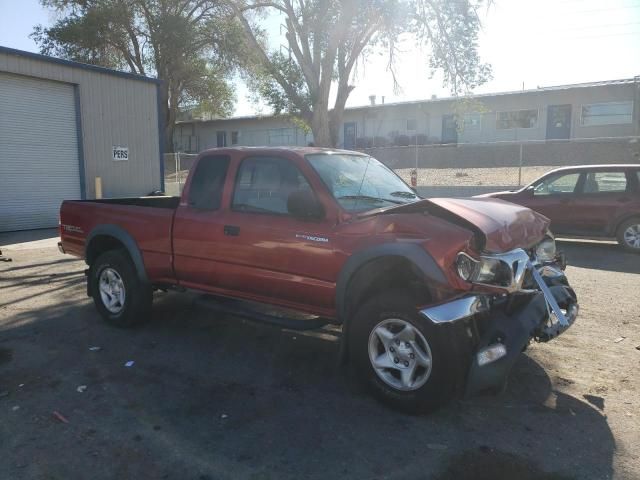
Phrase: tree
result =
(188, 44)
(326, 38)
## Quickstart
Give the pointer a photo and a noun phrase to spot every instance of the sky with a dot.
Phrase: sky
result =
(529, 43)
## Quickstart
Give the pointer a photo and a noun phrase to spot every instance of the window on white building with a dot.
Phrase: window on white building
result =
(610, 113)
(517, 119)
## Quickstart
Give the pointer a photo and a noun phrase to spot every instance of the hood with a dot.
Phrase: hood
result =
(501, 225)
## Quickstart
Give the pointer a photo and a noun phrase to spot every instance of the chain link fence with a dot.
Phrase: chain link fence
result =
(176, 171)
(468, 169)
(472, 169)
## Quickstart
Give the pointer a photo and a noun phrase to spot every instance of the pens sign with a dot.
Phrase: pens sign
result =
(120, 153)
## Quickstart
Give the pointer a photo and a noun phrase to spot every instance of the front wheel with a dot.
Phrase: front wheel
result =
(629, 234)
(402, 357)
(119, 295)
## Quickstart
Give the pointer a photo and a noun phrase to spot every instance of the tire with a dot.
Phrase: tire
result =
(428, 387)
(628, 234)
(119, 295)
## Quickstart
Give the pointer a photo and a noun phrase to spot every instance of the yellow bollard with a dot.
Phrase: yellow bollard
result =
(98, 188)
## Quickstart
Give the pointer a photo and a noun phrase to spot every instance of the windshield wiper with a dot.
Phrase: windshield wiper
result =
(404, 194)
(367, 197)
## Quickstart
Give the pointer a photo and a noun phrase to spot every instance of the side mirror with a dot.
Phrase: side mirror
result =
(530, 190)
(304, 205)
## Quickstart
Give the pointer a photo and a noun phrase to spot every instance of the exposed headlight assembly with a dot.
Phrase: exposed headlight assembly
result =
(467, 267)
(546, 250)
(492, 271)
(504, 270)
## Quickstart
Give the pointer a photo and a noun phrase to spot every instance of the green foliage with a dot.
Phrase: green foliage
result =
(262, 82)
(450, 29)
(191, 45)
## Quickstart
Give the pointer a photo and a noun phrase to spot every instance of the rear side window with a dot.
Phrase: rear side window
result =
(263, 185)
(205, 192)
(605, 182)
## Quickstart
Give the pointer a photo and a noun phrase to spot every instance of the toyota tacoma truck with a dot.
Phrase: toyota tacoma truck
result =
(436, 298)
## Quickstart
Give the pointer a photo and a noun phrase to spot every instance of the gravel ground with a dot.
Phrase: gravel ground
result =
(213, 397)
(455, 177)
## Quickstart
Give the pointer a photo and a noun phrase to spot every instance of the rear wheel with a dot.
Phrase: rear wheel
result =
(629, 234)
(401, 356)
(119, 295)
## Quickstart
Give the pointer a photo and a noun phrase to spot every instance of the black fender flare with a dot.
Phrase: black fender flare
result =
(120, 234)
(413, 252)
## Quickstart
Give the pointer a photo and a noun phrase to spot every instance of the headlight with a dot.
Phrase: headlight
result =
(506, 270)
(487, 270)
(546, 250)
(467, 267)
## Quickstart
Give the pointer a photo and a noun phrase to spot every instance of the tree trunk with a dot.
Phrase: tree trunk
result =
(169, 124)
(168, 137)
(335, 120)
(320, 127)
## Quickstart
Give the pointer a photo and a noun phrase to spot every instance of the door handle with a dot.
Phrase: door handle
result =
(231, 230)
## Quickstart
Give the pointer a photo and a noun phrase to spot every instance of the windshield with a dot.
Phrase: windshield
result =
(360, 182)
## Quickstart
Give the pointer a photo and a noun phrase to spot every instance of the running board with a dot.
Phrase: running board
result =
(262, 313)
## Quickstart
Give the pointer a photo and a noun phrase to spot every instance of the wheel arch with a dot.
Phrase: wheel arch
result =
(383, 267)
(113, 237)
(616, 223)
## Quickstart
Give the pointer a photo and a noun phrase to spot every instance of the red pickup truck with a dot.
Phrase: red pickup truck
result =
(436, 298)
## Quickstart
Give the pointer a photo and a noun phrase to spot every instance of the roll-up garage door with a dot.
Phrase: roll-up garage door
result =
(38, 151)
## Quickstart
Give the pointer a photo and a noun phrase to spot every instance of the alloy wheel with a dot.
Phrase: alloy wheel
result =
(112, 290)
(631, 236)
(399, 354)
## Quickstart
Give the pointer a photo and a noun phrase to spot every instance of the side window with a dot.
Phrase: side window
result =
(263, 185)
(208, 181)
(605, 182)
(557, 185)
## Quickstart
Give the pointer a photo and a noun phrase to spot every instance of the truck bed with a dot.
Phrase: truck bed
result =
(148, 221)
(155, 201)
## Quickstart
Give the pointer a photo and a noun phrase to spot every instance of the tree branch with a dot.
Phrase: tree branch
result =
(266, 62)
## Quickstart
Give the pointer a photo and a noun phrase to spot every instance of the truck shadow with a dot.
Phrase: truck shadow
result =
(212, 396)
(599, 256)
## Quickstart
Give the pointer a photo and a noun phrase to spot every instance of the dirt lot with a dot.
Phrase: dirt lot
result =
(216, 398)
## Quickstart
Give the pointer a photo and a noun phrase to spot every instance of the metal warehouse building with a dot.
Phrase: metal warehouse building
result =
(64, 124)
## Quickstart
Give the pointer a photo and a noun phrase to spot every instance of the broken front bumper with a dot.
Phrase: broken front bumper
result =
(508, 323)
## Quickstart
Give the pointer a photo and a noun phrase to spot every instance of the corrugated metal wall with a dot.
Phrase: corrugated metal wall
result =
(114, 111)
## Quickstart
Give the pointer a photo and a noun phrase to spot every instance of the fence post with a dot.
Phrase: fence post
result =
(175, 163)
(520, 167)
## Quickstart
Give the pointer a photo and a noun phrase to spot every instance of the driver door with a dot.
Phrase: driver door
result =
(271, 255)
(554, 197)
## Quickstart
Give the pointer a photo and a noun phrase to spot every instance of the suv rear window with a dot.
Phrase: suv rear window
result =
(604, 182)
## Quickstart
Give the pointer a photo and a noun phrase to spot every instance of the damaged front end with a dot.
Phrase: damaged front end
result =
(516, 298)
